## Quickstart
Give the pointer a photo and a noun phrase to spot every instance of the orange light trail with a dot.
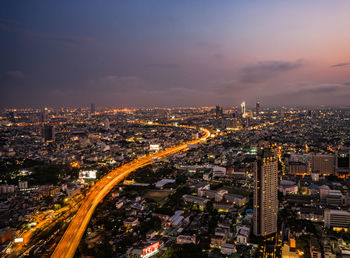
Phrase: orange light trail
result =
(71, 238)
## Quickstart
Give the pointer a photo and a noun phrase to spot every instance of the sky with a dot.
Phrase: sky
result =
(174, 53)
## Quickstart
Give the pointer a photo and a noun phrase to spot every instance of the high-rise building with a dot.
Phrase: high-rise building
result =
(265, 192)
(342, 160)
(44, 116)
(257, 108)
(323, 163)
(11, 117)
(92, 108)
(219, 112)
(107, 124)
(48, 133)
(283, 111)
(243, 108)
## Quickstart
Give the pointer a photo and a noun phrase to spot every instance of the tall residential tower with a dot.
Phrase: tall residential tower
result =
(265, 192)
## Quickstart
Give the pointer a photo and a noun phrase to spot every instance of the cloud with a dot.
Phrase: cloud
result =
(347, 83)
(262, 71)
(4, 26)
(207, 45)
(320, 89)
(8, 21)
(341, 65)
(311, 94)
(14, 75)
(76, 40)
(163, 65)
(218, 56)
(113, 83)
(67, 39)
(225, 87)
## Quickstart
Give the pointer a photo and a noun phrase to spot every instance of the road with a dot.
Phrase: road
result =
(71, 238)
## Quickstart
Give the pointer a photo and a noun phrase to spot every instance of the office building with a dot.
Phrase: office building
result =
(298, 168)
(323, 163)
(342, 161)
(265, 192)
(257, 109)
(92, 108)
(44, 116)
(219, 111)
(107, 124)
(336, 219)
(48, 133)
(243, 108)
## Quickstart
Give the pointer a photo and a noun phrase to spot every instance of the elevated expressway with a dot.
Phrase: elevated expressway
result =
(71, 238)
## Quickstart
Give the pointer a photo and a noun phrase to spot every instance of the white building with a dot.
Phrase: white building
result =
(23, 185)
(243, 233)
(219, 171)
(336, 218)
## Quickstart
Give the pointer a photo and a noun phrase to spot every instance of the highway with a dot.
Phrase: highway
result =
(71, 238)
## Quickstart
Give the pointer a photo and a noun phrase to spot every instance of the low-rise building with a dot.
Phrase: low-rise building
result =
(238, 200)
(228, 249)
(131, 222)
(243, 233)
(336, 219)
(183, 239)
(195, 199)
(217, 241)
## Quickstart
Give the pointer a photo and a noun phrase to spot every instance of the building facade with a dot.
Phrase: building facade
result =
(265, 193)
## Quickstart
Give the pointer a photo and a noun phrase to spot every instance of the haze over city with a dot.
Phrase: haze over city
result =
(174, 53)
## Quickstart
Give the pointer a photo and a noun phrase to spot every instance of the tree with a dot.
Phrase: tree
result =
(209, 207)
(170, 253)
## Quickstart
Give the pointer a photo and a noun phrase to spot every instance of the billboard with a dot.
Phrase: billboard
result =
(88, 174)
(150, 250)
(154, 147)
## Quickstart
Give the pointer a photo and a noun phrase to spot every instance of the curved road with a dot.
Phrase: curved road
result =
(71, 238)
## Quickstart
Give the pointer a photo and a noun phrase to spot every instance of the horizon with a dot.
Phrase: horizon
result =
(225, 107)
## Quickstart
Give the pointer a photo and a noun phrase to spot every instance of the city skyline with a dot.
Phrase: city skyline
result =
(196, 53)
(175, 128)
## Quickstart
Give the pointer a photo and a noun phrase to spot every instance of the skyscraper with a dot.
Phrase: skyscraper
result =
(243, 108)
(219, 111)
(92, 108)
(257, 109)
(265, 192)
(48, 133)
(107, 124)
(44, 116)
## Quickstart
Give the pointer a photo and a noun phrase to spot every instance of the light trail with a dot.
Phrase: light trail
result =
(72, 237)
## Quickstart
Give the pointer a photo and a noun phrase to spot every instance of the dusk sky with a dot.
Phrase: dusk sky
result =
(174, 53)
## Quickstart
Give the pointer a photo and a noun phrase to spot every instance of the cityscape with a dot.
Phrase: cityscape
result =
(175, 129)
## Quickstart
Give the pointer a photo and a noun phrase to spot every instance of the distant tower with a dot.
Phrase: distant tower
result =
(44, 116)
(219, 111)
(107, 124)
(243, 108)
(265, 192)
(11, 117)
(48, 133)
(257, 109)
(283, 111)
(92, 109)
